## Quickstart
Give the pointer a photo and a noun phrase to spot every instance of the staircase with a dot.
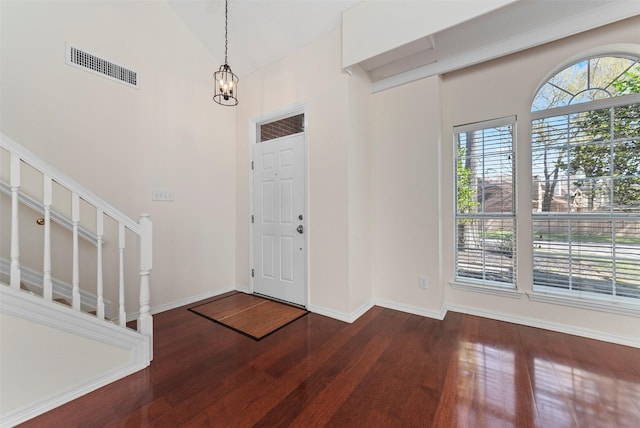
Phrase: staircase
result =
(38, 304)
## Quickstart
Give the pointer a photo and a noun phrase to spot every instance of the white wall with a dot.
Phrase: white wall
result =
(406, 164)
(313, 76)
(501, 88)
(121, 142)
(27, 379)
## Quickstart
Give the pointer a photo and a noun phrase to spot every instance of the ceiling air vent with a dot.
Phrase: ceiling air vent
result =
(89, 62)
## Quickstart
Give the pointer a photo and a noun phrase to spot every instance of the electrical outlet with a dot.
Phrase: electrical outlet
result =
(161, 195)
(423, 282)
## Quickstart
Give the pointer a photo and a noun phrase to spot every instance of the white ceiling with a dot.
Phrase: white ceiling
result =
(264, 31)
(260, 31)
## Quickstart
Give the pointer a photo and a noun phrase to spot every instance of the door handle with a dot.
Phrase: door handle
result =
(300, 229)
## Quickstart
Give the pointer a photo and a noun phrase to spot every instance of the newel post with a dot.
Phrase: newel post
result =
(145, 320)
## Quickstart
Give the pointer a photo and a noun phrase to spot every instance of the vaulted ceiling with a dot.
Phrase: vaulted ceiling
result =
(260, 31)
(264, 31)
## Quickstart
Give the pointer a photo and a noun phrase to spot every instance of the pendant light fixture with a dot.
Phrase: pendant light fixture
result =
(226, 83)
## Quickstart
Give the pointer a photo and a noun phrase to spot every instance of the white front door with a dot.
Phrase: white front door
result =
(279, 219)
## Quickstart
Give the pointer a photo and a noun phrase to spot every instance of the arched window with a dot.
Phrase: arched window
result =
(585, 160)
(589, 80)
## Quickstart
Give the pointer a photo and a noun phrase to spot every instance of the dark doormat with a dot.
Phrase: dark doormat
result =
(250, 315)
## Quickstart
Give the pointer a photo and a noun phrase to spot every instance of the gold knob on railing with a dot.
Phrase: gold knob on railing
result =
(40, 221)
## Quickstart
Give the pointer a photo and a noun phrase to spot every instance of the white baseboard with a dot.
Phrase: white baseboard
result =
(439, 315)
(320, 310)
(361, 310)
(24, 305)
(547, 325)
(243, 289)
(19, 416)
(190, 300)
(351, 317)
(341, 316)
(182, 302)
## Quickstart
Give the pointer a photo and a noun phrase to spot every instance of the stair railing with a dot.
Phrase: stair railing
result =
(143, 229)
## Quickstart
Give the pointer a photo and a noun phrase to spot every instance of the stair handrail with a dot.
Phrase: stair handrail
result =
(143, 229)
(67, 182)
(38, 207)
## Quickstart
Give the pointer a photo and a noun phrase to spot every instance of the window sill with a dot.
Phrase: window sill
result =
(585, 303)
(486, 289)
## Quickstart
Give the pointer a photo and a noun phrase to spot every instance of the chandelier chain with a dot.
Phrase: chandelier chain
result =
(226, 18)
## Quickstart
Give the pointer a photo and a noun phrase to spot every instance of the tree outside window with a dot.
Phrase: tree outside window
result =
(586, 179)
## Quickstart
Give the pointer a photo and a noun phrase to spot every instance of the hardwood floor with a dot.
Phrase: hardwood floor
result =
(387, 369)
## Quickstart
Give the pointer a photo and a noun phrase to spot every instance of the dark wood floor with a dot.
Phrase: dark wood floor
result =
(387, 369)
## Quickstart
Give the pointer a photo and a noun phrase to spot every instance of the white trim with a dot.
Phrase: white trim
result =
(586, 106)
(582, 303)
(336, 315)
(410, 309)
(484, 124)
(468, 284)
(601, 16)
(547, 325)
(243, 289)
(530, 322)
(342, 316)
(512, 293)
(361, 310)
(190, 300)
(182, 302)
(34, 279)
(253, 137)
(282, 113)
(38, 207)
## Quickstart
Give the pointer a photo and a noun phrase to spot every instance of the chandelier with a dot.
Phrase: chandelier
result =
(226, 83)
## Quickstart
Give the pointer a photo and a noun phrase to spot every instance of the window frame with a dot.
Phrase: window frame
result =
(577, 297)
(504, 289)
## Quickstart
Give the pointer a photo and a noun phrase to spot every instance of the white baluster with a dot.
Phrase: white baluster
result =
(145, 320)
(15, 236)
(75, 280)
(122, 315)
(100, 286)
(47, 284)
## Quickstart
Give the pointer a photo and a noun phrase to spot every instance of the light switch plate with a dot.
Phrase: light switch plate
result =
(162, 195)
